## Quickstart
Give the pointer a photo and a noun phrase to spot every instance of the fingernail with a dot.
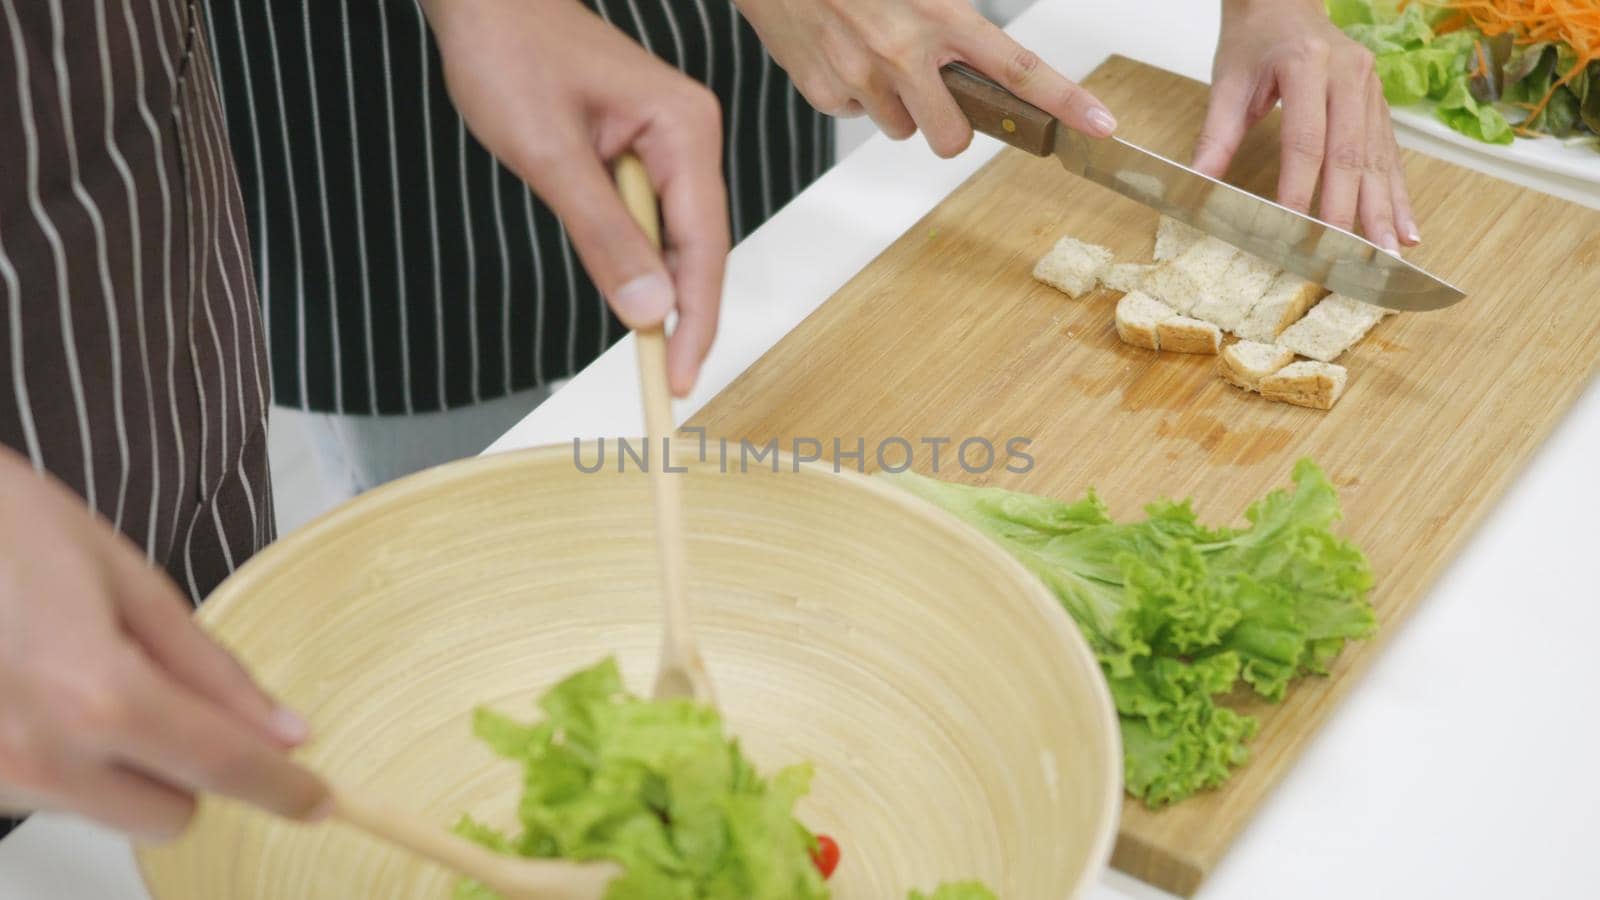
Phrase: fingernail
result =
(1102, 120)
(1413, 236)
(646, 300)
(1387, 241)
(289, 726)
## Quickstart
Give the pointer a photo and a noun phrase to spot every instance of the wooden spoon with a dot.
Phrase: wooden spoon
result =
(513, 877)
(682, 671)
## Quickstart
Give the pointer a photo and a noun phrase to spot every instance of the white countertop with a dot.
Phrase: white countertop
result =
(1460, 766)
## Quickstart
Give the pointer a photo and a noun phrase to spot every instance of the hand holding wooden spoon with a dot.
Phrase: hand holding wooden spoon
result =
(682, 672)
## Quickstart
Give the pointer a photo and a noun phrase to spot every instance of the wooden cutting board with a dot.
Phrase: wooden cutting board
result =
(946, 335)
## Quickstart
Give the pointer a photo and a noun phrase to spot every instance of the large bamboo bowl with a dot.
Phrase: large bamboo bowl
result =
(958, 722)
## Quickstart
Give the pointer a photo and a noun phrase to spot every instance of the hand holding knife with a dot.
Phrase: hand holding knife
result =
(1314, 250)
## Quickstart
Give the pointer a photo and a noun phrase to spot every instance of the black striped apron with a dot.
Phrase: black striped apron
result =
(401, 268)
(129, 330)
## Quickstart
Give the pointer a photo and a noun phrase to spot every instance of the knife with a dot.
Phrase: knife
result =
(1316, 251)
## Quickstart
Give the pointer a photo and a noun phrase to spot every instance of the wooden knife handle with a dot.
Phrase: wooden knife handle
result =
(999, 113)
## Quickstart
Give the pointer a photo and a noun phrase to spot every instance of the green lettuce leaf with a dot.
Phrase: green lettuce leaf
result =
(1178, 612)
(1407, 31)
(1164, 767)
(1589, 105)
(1409, 77)
(1345, 13)
(1580, 88)
(1459, 110)
(1427, 71)
(1531, 71)
(1415, 65)
(653, 785)
(1040, 532)
(1292, 581)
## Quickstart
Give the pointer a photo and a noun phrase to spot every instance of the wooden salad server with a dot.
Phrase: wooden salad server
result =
(513, 877)
(682, 671)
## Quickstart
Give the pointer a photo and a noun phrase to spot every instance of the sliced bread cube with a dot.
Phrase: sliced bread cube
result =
(1317, 336)
(1072, 266)
(1174, 237)
(1355, 310)
(1284, 303)
(1317, 385)
(1330, 328)
(1184, 334)
(1220, 307)
(1210, 258)
(1245, 363)
(1125, 277)
(1139, 318)
(1185, 281)
(1236, 292)
(1251, 277)
(1173, 284)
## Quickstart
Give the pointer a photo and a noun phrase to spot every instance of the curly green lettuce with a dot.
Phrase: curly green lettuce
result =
(1462, 112)
(655, 786)
(1415, 64)
(1178, 612)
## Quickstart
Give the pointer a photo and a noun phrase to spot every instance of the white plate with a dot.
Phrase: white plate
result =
(1577, 157)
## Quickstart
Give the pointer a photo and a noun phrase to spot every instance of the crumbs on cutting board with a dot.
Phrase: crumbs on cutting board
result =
(1199, 292)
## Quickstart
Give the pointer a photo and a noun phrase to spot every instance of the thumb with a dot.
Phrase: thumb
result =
(621, 260)
(1227, 121)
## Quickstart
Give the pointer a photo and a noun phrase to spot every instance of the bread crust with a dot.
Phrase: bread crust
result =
(1316, 385)
(1286, 301)
(1239, 366)
(1183, 334)
(1139, 317)
(1072, 267)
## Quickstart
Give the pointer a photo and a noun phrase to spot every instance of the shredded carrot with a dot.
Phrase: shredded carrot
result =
(1481, 67)
(1575, 22)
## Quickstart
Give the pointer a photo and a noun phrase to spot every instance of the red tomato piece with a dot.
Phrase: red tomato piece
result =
(826, 855)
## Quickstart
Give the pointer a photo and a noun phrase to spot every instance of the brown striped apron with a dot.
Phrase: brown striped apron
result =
(129, 329)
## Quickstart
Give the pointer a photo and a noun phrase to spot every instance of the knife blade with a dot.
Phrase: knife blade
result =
(1316, 251)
